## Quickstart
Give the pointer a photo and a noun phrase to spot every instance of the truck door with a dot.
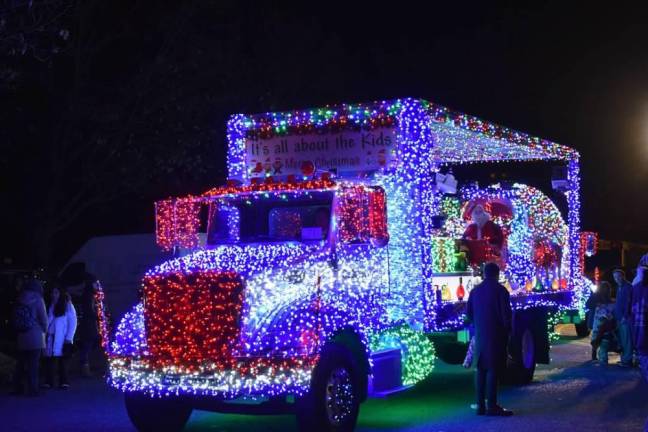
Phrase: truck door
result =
(360, 251)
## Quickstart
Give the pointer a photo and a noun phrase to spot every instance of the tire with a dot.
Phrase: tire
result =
(333, 400)
(522, 364)
(451, 352)
(156, 415)
(581, 329)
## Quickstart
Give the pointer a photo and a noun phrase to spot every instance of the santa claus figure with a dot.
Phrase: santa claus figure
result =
(483, 238)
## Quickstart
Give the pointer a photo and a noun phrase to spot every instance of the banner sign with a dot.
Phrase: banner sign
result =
(346, 151)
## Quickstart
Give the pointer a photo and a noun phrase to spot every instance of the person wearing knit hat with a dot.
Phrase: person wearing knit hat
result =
(30, 319)
(33, 285)
(622, 314)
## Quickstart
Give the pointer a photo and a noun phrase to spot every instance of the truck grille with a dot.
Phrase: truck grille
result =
(192, 320)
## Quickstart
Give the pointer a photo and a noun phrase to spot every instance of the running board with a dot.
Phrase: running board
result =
(274, 406)
(386, 373)
(387, 393)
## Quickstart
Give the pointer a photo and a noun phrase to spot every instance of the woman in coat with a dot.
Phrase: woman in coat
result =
(30, 320)
(60, 335)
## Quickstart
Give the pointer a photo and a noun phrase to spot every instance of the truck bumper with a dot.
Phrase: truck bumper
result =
(253, 379)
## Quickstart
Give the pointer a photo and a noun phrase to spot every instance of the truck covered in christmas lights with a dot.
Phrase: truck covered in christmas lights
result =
(338, 258)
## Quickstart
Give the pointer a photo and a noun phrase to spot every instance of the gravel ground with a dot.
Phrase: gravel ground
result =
(571, 394)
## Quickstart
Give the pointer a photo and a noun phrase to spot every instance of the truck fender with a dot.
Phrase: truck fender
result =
(352, 340)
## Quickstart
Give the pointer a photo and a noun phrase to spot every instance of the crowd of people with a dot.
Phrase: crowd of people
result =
(45, 335)
(620, 325)
(616, 325)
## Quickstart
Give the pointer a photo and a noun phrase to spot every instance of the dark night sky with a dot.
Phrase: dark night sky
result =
(573, 74)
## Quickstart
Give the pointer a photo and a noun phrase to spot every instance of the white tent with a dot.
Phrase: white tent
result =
(119, 262)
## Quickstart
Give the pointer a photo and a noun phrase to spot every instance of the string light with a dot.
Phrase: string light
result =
(102, 319)
(177, 223)
(553, 319)
(443, 250)
(192, 318)
(589, 246)
(417, 351)
(535, 232)
(130, 335)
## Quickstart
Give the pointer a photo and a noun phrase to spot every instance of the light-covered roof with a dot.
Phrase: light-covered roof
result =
(456, 137)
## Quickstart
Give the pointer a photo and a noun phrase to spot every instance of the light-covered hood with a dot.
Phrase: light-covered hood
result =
(242, 259)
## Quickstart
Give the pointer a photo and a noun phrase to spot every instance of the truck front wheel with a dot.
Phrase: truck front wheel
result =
(333, 401)
(156, 415)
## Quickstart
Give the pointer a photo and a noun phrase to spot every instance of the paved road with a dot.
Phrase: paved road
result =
(568, 395)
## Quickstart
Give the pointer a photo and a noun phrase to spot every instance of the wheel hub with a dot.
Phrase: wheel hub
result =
(528, 350)
(339, 396)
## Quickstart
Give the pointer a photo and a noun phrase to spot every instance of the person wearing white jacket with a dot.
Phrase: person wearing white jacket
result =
(62, 323)
(643, 262)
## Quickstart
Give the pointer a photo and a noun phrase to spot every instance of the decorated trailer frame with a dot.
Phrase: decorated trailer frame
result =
(333, 258)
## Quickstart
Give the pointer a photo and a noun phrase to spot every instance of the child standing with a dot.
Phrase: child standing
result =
(60, 334)
(603, 325)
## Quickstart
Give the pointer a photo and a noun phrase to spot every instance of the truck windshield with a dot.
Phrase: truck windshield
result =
(256, 218)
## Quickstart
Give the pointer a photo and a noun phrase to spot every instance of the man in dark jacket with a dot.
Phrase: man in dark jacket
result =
(489, 309)
(622, 313)
(30, 311)
(88, 325)
(639, 319)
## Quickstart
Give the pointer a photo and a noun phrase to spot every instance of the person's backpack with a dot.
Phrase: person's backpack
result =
(22, 318)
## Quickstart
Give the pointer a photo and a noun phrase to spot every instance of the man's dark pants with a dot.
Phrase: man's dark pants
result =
(27, 365)
(486, 384)
(86, 346)
(55, 364)
(643, 365)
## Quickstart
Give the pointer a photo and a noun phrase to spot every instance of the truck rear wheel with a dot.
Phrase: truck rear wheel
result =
(522, 364)
(333, 401)
(581, 329)
(156, 415)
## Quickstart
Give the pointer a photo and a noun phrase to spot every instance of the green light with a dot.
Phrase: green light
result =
(443, 249)
(451, 207)
(552, 320)
(416, 350)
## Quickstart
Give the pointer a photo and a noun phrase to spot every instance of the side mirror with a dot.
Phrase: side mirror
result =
(589, 243)
(177, 222)
(362, 216)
